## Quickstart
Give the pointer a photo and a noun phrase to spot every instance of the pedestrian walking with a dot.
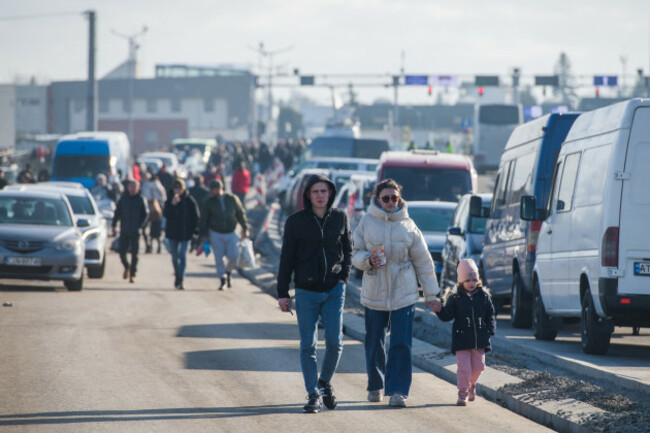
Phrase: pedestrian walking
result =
(394, 256)
(317, 250)
(182, 214)
(470, 306)
(220, 214)
(241, 181)
(154, 192)
(199, 192)
(131, 212)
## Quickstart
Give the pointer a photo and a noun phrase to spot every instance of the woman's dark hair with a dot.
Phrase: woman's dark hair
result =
(387, 183)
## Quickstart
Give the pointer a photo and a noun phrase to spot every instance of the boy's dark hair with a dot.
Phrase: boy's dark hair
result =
(385, 184)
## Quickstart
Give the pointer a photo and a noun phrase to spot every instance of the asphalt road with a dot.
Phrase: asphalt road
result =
(143, 357)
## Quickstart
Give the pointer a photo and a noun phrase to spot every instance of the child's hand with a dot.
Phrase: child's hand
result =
(437, 306)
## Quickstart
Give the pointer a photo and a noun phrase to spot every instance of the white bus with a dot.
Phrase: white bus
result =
(493, 124)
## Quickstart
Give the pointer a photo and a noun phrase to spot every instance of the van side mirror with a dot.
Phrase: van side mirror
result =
(476, 208)
(454, 231)
(560, 205)
(82, 222)
(528, 211)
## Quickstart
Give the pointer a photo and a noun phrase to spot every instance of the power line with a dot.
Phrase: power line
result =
(32, 16)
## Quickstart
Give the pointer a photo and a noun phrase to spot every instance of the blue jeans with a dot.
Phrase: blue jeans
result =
(224, 244)
(329, 306)
(179, 257)
(398, 370)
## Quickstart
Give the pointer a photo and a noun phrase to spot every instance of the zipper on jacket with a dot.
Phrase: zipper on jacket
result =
(322, 238)
(474, 324)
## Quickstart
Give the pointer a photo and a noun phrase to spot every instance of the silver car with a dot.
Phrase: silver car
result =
(95, 234)
(39, 239)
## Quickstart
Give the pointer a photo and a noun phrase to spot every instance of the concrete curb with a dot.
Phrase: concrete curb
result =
(564, 415)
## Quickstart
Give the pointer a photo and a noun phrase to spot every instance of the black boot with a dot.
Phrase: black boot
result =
(223, 283)
(228, 279)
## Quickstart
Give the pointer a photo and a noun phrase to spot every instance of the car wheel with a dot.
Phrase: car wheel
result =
(520, 313)
(75, 285)
(595, 332)
(544, 326)
(97, 271)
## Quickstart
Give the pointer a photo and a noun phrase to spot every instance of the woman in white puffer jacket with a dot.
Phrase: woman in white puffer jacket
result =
(390, 289)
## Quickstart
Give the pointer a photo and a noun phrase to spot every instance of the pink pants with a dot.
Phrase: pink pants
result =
(471, 364)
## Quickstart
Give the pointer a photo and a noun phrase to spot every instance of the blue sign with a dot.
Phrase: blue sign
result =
(606, 80)
(416, 80)
(465, 122)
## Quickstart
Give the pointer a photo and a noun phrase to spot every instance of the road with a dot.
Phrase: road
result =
(146, 358)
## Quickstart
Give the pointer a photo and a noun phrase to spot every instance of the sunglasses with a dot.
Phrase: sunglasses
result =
(388, 198)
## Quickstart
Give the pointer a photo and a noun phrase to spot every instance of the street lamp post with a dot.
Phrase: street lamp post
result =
(133, 46)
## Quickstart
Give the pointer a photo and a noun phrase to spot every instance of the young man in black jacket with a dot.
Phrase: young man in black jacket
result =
(317, 250)
(182, 215)
(132, 212)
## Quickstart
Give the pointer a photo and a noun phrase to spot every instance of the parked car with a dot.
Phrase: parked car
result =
(346, 147)
(464, 239)
(429, 174)
(94, 234)
(169, 159)
(433, 218)
(508, 256)
(151, 164)
(39, 239)
(279, 188)
(593, 254)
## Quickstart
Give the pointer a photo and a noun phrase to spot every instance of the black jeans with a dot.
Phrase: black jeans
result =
(129, 243)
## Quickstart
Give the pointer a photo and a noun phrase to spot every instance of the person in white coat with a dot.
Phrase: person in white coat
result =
(390, 249)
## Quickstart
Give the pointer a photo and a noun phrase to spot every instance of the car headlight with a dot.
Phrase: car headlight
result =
(67, 245)
(91, 235)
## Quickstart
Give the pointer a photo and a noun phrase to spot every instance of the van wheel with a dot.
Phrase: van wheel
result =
(97, 271)
(595, 331)
(74, 286)
(520, 313)
(544, 326)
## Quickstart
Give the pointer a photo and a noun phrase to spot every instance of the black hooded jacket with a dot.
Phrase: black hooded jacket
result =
(182, 218)
(317, 255)
(474, 319)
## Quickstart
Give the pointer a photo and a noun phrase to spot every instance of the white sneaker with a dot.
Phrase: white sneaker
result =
(397, 400)
(376, 396)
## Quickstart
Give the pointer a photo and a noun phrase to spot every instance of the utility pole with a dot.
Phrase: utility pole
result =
(396, 83)
(91, 101)
(269, 115)
(133, 46)
(516, 73)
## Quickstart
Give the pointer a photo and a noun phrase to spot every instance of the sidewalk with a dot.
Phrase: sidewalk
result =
(564, 415)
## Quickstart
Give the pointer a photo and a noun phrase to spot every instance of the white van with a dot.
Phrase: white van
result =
(593, 251)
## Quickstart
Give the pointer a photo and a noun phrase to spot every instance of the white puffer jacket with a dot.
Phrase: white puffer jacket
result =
(394, 285)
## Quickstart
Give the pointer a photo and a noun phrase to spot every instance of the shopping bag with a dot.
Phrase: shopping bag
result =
(246, 254)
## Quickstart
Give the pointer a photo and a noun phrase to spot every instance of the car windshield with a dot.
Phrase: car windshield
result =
(430, 183)
(431, 219)
(37, 211)
(80, 165)
(81, 205)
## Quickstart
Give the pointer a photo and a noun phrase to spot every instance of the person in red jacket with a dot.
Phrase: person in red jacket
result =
(241, 181)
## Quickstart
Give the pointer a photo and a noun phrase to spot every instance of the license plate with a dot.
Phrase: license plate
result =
(641, 268)
(23, 261)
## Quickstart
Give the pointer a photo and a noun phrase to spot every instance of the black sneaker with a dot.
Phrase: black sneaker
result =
(314, 404)
(223, 283)
(327, 392)
(228, 279)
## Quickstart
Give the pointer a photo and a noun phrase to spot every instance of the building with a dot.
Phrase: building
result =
(181, 101)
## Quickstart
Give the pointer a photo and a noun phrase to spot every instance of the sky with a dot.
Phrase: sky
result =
(48, 40)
